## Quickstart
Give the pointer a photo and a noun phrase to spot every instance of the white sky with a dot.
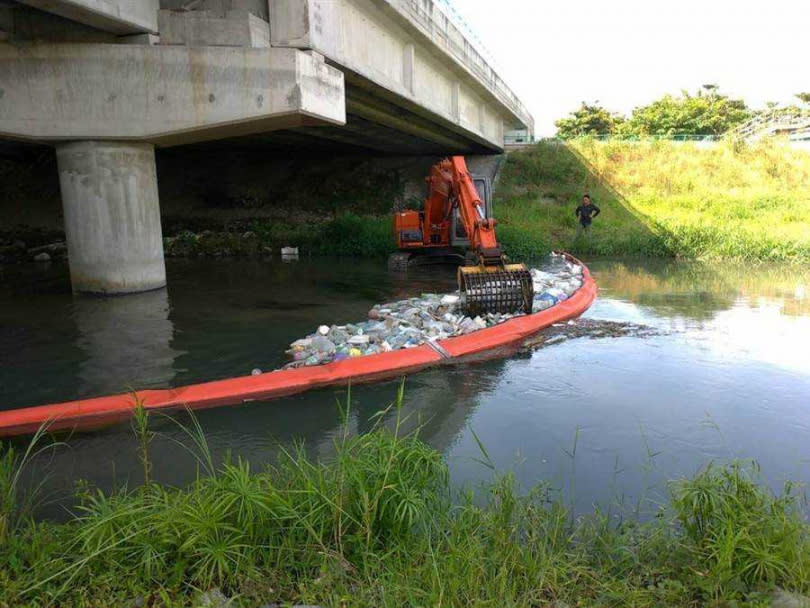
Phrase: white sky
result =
(626, 53)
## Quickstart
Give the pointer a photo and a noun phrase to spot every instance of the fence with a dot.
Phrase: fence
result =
(793, 123)
(521, 139)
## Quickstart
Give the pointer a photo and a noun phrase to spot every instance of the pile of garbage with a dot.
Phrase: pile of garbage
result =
(412, 322)
(25, 244)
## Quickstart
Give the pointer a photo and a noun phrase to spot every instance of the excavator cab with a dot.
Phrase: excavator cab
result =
(457, 215)
(458, 233)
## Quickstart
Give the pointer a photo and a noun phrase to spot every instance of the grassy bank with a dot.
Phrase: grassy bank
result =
(659, 199)
(380, 525)
(342, 234)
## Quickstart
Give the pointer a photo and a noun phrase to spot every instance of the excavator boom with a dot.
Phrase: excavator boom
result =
(488, 283)
(491, 284)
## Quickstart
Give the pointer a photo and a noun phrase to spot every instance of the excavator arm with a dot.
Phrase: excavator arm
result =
(488, 283)
(480, 229)
(491, 284)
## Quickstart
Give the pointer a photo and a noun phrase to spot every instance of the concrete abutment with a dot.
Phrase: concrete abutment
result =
(112, 216)
(321, 78)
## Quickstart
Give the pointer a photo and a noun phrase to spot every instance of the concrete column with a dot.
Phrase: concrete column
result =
(455, 101)
(112, 216)
(408, 60)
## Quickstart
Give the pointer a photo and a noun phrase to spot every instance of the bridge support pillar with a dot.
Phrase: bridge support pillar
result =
(112, 216)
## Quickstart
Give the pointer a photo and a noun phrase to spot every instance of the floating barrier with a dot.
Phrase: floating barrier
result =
(493, 342)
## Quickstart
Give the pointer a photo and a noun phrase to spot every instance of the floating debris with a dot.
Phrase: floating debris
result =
(289, 254)
(429, 317)
(588, 328)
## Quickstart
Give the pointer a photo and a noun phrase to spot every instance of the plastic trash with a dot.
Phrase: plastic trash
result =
(321, 344)
(410, 322)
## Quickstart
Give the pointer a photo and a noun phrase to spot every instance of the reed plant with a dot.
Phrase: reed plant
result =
(378, 523)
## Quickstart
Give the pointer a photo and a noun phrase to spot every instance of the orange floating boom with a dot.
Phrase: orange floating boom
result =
(493, 342)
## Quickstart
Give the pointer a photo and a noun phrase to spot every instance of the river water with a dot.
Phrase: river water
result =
(722, 372)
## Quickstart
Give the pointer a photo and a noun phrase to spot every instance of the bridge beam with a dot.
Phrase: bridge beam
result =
(164, 95)
(116, 16)
(112, 216)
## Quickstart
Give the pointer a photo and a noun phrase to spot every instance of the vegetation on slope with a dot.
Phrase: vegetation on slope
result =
(347, 234)
(380, 525)
(659, 199)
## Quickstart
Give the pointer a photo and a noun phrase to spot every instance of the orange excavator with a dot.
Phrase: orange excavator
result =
(455, 215)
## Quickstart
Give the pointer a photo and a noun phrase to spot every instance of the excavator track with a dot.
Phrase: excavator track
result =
(495, 289)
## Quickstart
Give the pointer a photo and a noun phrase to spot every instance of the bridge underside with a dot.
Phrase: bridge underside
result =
(106, 82)
(371, 127)
(66, 93)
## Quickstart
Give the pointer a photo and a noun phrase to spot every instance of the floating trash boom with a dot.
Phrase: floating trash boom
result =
(496, 341)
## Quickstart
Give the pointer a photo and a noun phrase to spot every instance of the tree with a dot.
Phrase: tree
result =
(588, 119)
(803, 97)
(708, 112)
(711, 89)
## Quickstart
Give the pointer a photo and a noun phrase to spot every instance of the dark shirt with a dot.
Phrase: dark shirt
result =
(586, 213)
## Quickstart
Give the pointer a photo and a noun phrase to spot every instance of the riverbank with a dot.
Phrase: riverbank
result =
(379, 523)
(344, 234)
(658, 199)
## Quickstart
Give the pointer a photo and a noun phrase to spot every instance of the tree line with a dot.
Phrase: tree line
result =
(707, 112)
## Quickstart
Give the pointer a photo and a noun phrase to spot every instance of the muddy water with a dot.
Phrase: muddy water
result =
(675, 365)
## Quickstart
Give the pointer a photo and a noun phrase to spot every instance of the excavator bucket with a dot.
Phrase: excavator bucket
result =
(496, 289)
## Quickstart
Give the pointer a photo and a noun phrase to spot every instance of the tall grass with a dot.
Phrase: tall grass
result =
(742, 535)
(660, 199)
(140, 427)
(378, 524)
(344, 233)
(17, 503)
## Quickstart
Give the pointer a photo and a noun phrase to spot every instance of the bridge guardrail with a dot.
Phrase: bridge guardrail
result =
(521, 139)
(461, 41)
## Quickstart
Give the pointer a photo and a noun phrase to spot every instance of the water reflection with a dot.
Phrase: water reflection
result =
(126, 340)
(727, 375)
(699, 290)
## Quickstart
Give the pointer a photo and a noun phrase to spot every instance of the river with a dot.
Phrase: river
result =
(721, 372)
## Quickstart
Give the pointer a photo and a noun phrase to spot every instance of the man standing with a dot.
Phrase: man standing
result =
(585, 213)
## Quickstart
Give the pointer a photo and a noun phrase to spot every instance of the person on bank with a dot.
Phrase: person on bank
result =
(585, 214)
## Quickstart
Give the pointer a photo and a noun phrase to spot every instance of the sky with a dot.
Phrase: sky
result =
(625, 53)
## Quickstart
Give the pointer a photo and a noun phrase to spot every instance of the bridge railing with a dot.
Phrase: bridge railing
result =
(446, 26)
(800, 134)
(516, 139)
(790, 122)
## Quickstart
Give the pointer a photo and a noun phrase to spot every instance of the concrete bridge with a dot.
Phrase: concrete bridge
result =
(106, 81)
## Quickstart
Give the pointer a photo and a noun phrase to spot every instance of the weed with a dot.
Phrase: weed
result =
(140, 426)
(379, 524)
(658, 199)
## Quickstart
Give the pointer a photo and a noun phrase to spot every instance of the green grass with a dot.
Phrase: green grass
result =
(661, 199)
(658, 199)
(379, 524)
(343, 234)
